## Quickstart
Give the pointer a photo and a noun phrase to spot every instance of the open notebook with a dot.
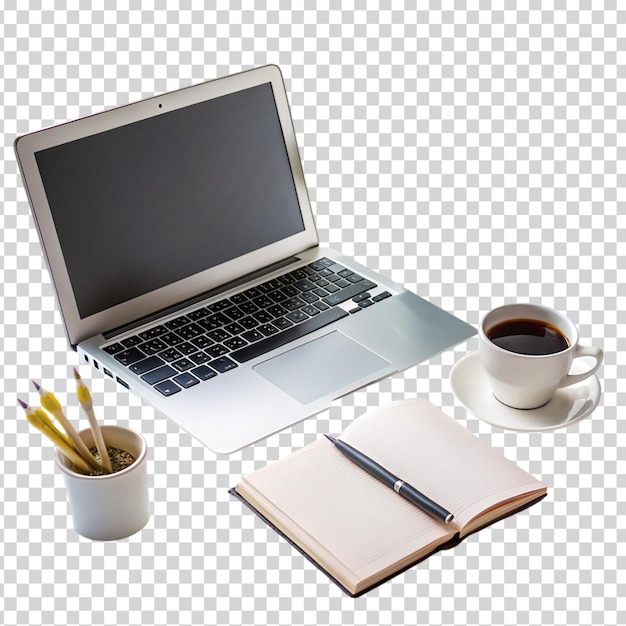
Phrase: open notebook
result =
(359, 531)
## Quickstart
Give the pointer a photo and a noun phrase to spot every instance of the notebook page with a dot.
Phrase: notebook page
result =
(349, 520)
(425, 447)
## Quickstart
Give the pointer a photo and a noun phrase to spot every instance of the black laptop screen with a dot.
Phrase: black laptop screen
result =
(150, 203)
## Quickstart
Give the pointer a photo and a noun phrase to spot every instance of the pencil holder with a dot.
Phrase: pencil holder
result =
(110, 506)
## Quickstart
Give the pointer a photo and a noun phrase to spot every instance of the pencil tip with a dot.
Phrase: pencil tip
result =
(37, 385)
(76, 374)
(22, 404)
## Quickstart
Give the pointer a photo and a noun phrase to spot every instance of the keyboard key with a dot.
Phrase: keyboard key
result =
(290, 291)
(381, 296)
(129, 342)
(280, 339)
(114, 348)
(214, 321)
(263, 302)
(198, 314)
(190, 331)
(220, 305)
(200, 358)
(354, 278)
(234, 313)
(297, 316)
(309, 297)
(177, 322)
(267, 329)
(235, 343)
(273, 284)
(249, 307)
(293, 303)
(277, 310)
(321, 264)
(282, 322)
(141, 367)
(167, 388)
(305, 285)
(238, 298)
(248, 322)
(365, 303)
(278, 296)
(252, 335)
(184, 364)
(216, 351)
(309, 309)
(234, 329)
(171, 354)
(202, 342)
(186, 380)
(186, 348)
(130, 356)
(361, 296)
(156, 376)
(298, 274)
(219, 335)
(153, 346)
(349, 292)
(263, 317)
(171, 339)
(204, 373)
(153, 332)
(253, 292)
(223, 364)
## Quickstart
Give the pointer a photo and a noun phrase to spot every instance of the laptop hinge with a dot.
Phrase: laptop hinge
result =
(203, 296)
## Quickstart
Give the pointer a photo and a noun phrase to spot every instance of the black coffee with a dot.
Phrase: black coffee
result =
(526, 336)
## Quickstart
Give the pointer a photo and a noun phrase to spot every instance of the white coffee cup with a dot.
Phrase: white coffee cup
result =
(528, 381)
(111, 506)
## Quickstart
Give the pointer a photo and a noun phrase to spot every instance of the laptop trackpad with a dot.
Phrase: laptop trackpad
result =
(320, 367)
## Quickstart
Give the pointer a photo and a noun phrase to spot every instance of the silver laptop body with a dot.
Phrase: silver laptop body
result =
(181, 243)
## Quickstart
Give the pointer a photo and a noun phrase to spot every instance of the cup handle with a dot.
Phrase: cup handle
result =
(596, 353)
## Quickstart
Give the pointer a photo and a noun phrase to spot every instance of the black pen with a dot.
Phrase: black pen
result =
(387, 478)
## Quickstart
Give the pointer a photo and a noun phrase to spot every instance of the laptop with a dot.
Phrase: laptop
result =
(182, 247)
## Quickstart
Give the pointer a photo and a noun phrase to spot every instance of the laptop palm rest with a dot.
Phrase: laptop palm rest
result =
(321, 367)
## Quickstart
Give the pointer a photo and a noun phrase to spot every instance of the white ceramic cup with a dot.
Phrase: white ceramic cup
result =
(525, 381)
(111, 506)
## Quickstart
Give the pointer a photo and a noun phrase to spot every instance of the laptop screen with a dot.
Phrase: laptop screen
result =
(149, 203)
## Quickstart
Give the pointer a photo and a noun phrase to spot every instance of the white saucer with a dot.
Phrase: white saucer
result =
(568, 406)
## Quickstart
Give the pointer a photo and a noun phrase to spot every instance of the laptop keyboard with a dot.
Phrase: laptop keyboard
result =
(215, 339)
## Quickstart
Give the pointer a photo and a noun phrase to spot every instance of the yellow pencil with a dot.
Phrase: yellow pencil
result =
(53, 406)
(84, 397)
(42, 422)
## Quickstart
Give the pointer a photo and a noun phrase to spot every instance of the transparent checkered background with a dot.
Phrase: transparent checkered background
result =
(472, 150)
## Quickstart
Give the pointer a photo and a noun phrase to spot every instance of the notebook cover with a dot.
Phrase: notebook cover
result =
(444, 546)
